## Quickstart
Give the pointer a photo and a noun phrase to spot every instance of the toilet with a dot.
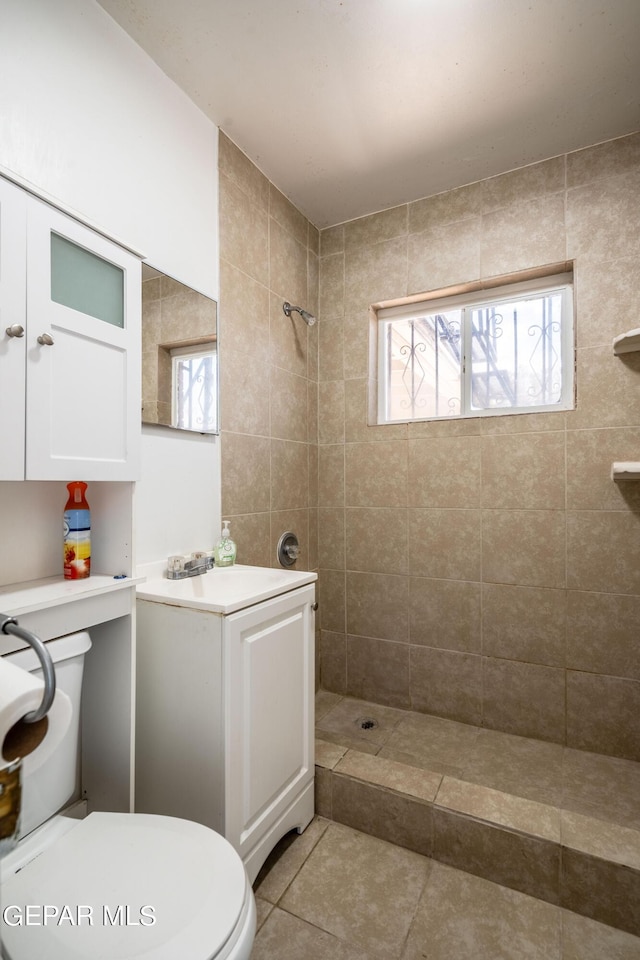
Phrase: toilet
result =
(113, 885)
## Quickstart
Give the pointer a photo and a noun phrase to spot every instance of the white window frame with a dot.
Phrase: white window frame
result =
(193, 351)
(558, 282)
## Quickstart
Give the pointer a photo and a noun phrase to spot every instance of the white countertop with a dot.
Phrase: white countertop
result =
(224, 589)
(32, 595)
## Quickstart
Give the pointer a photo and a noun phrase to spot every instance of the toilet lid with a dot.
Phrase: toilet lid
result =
(120, 886)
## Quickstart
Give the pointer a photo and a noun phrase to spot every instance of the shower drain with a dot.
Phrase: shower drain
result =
(366, 723)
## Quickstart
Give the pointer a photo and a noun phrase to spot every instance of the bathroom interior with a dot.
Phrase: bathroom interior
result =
(477, 666)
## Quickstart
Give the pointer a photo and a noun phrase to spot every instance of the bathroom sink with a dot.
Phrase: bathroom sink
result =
(224, 589)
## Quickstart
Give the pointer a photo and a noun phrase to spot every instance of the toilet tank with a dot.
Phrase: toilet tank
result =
(57, 780)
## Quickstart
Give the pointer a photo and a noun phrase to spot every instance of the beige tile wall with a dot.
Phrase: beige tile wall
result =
(486, 571)
(269, 364)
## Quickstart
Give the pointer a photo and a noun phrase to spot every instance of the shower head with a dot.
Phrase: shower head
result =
(308, 318)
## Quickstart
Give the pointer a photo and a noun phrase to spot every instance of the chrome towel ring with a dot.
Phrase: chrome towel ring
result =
(9, 625)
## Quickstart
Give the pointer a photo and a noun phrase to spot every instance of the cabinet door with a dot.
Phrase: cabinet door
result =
(83, 352)
(269, 689)
(12, 330)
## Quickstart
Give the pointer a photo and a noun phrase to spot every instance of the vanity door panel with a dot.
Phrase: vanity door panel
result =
(268, 651)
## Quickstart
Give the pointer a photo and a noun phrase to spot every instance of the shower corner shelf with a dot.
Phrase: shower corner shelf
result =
(625, 470)
(628, 342)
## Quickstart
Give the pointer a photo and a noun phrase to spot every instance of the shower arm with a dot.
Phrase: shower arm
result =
(308, 318)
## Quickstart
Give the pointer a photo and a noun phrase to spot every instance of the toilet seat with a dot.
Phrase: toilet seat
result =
(153, 887)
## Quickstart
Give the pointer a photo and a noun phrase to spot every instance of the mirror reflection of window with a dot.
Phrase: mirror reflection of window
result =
(194, 388)
(178, 322)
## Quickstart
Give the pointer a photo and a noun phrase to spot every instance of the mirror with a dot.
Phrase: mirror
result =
(179, 355)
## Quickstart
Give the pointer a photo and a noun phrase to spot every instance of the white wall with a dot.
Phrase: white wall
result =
(87, 118)
(177, 502)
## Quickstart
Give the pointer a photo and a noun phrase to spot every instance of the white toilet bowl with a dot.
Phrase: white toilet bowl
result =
(114, 886)
(120, 885)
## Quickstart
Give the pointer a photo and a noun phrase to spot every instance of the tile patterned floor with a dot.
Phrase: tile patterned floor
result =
(334, 893)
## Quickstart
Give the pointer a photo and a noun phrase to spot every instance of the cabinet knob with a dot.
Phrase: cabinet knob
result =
(15, 330)
(45, 340)
(314, 606)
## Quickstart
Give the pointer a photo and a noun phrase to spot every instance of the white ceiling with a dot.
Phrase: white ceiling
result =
(353, 106)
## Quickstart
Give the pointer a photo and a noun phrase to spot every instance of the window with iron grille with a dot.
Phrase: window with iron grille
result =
(501, 351)
(194, 388)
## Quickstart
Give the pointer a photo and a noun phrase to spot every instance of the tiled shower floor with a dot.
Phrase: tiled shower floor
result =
(337, 892)
(590, 784)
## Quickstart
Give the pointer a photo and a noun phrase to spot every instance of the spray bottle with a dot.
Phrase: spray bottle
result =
(77, 533)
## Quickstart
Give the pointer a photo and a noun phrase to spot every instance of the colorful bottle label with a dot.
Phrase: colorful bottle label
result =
(10, 797)
(77, 544)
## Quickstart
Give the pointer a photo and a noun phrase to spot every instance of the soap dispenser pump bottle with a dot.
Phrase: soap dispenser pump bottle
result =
(225, 548)
(77, 533)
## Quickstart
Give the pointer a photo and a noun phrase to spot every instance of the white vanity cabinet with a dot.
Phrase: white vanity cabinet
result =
(225, 717)
(70, 306)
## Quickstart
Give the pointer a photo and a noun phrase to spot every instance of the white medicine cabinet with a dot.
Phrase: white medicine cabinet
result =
(69, 347)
